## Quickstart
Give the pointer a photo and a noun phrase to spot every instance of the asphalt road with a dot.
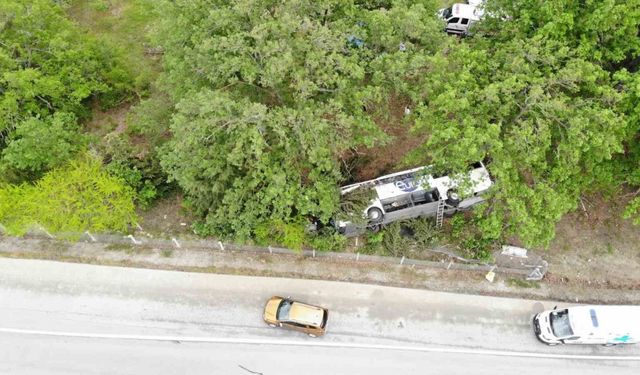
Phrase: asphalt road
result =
(58, 318)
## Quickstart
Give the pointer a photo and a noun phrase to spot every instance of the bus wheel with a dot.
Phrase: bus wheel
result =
(374, 214)
(453, 199)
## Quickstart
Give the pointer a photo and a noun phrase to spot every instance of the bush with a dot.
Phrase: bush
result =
(138, 168)
(38, 145)
(290, 235)
(373, 243)
(477, 248)
(425, 233)
(150, 118)
(396, 240)
(327, 239)
(78, 197)
(49, 69)
(474, 243)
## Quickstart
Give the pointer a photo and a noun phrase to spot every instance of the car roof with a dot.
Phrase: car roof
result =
(464, 11)
(306, 314)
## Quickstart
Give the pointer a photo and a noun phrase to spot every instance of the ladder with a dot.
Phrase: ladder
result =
(440, 214)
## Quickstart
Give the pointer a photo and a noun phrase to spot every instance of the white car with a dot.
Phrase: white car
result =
(460, 17)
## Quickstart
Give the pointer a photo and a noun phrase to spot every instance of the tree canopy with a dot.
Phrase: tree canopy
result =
(270, 95)
(270, 103)
(542, 93)
(48, 70)
(273, 95)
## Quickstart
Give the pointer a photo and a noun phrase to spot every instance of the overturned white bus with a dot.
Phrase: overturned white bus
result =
(416, 192)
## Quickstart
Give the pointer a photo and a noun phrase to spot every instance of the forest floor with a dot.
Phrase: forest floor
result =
(596, 245)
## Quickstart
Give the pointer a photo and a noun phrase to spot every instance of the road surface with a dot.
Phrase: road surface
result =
(58, 318)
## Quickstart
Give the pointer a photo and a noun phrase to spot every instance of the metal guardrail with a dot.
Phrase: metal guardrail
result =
(528, 272)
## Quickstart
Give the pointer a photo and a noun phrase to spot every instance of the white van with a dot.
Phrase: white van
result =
(460, 17)
(604, 325)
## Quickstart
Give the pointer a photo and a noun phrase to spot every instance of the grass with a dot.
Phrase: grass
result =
(607, 249)
(125, 25)
(127, 249)
(520, 283)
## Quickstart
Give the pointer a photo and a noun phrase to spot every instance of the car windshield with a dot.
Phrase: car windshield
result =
(447, 13)
(283, 310)
(560, 323)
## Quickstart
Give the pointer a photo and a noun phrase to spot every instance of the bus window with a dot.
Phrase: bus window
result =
(423, 197)
(397, 203)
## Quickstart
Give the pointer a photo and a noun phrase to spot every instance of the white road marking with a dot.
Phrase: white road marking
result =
(312, 343)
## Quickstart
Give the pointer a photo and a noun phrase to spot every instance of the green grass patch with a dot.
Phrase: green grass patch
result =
(520, 283)
(125, 25)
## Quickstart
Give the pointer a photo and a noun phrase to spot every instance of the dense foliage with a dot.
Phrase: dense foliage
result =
(543, 94)
(273, 94)
(48, 71)
(267, 102)
(270, 94)
(69, 200)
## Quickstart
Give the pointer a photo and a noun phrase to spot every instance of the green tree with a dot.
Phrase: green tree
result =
(48, 71)
(36, 146)
(535, 94)
(271, 95)
(242, 164)
(604, 31)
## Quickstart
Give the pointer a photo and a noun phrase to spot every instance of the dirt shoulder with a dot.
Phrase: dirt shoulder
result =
(279, 265)
(595, 246)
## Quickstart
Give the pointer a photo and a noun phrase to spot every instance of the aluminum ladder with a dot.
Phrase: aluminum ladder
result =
(440, 214)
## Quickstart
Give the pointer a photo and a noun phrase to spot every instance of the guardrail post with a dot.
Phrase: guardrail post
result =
(402, 260)
(221, 245)
(133, 239)
(314, 253)
(93, 239)
(357, 256)
(47, 233)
